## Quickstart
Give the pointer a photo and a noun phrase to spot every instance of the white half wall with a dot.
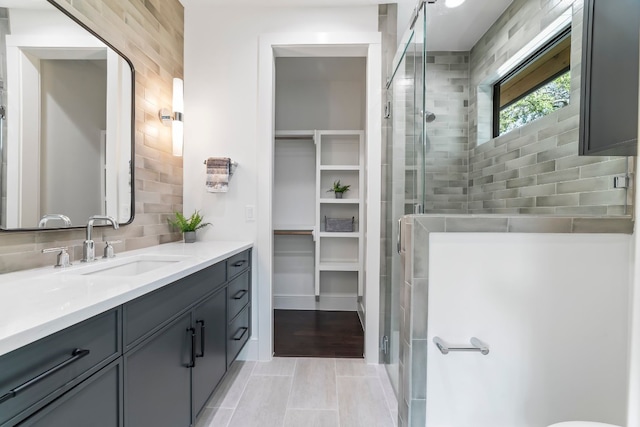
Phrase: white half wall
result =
(554, 310)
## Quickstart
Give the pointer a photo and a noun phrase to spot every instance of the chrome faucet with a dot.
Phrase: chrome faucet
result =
(48, 217)
(88, 247)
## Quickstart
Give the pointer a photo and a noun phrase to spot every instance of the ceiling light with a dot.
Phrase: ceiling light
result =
(453, 3)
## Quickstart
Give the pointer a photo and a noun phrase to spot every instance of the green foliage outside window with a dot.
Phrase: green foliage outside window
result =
(539, 103)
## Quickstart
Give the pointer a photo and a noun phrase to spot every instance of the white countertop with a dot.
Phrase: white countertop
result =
(39, 302)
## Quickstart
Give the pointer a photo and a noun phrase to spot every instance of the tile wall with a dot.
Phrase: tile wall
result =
(151, 34)
(535, 169)
(447, 153)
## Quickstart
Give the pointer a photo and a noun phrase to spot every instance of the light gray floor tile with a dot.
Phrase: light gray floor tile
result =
(277, 366)
(355, 368)
(228, 393)
(389, 394)
(362, 403)
(314, 385)
(263, 403)
(311, 418)
(214, 417)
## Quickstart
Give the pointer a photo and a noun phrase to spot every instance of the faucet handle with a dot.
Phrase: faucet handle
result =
(108, 249)
(63, 257)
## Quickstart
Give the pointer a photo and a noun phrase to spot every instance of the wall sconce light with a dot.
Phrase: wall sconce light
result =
(175, 120)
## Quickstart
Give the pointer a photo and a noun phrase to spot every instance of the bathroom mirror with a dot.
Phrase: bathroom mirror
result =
(66, 120)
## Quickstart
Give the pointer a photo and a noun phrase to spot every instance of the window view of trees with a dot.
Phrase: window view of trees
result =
(543, 101)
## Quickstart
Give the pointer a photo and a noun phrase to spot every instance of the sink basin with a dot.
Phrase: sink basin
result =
(129, 266)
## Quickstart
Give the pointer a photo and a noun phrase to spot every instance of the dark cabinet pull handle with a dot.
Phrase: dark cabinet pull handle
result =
(240, 294)
(76, 355)
(239, 263)
(192, 361)
(201, 323)
(244, 330)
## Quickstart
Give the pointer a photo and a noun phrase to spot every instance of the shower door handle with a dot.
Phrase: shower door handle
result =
(399, 237)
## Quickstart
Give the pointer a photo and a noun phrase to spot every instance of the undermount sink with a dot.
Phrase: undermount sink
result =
(129, 266)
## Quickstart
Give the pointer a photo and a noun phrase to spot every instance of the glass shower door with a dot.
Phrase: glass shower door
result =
(404, 183)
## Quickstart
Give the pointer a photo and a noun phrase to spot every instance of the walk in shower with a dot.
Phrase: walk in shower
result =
(441, 154)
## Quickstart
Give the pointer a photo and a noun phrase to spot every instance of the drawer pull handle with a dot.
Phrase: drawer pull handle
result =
(76, 355)
(192, 361)
(240, 294)
(237, 337)
(239, 263)
(201, 323)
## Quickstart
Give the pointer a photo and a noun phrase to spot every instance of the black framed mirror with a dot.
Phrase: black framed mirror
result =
(67, 121)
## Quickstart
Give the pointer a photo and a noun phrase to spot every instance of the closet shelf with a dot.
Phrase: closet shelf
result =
(341, 201)
(294, 134)
(354, 234)
(339, 266)
(339, 168)
(293, 232)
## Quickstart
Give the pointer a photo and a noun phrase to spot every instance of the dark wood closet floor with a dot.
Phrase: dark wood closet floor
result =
(310, 333)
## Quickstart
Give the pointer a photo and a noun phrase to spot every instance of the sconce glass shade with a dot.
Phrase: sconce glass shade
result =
(178, 109)
(178, 137)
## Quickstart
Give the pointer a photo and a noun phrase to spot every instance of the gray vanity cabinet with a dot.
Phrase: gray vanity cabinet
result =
(211, 358)
(96, 402)
(609, 81)
(152, 362)
(157, 388)
(34, 376)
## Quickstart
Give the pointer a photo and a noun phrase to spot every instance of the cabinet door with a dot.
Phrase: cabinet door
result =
(158, 378)
(96, 402)
(210, 322)
(609, 92)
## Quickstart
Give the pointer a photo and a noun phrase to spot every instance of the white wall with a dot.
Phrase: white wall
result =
(221, 95)
(554, 310)
(74, 113)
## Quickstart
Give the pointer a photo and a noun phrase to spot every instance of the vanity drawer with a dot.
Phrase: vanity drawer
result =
(238, 263)
(149, 313)
(238, 294)
(238, 334)
(34, 375)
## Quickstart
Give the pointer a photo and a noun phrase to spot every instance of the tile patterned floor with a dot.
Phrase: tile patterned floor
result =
(294, 392)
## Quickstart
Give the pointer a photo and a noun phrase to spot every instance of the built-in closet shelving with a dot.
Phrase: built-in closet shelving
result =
(338, 155)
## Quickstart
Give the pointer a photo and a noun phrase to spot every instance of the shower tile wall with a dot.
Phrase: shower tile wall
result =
(447, 153)
(536, 169)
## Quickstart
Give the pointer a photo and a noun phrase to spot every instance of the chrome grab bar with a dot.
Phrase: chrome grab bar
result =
(475, 342)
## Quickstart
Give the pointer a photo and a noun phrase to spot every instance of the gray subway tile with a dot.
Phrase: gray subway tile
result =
(521, 182)
(522, 202)
(540, 225)
(611, 167)
(557, 153)
(538, 168)
(582, 185)
(558, 200)
(559, 176)
(610, 197)
(495, 225)
(603, 225)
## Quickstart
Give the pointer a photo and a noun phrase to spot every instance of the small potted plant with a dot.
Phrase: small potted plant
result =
(338, 189)
(188, 226)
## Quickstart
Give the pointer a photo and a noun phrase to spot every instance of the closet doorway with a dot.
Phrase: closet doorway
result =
(319, 230)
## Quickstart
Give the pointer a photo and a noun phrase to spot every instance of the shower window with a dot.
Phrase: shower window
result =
(538, 86)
